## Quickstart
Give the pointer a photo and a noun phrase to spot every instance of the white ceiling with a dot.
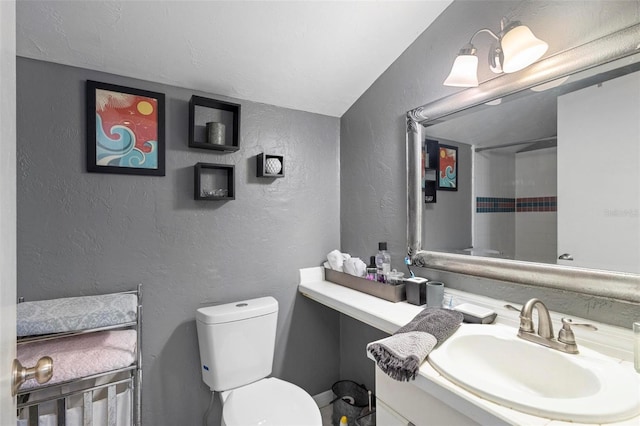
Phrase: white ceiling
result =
(316, 56)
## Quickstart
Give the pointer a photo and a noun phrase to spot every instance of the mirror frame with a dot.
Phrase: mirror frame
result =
(621, 286)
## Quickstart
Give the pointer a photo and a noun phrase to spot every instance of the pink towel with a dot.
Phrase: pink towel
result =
(80, 356)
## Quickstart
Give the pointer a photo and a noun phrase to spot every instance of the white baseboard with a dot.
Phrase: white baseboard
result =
(323, 399)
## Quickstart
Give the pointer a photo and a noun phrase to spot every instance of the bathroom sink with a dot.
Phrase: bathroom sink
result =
(493, 363)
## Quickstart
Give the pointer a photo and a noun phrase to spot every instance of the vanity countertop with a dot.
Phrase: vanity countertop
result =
(387, 316)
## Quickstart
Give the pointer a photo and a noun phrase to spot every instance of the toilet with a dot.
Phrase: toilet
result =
(237, 342)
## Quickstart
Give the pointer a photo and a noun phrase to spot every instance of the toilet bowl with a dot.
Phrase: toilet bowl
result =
(237, 342)
(269, 402)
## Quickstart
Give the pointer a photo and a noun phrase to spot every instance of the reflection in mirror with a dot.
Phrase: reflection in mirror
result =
(578, 137)
(556, 160)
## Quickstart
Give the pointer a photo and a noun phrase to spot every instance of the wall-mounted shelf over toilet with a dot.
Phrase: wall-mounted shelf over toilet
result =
(225, 115)
(214, 182)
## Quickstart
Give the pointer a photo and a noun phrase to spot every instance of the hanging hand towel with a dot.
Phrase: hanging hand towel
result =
(401, 354)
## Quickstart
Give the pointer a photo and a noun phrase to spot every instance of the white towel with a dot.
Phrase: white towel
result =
(336, 260)
(355, 267)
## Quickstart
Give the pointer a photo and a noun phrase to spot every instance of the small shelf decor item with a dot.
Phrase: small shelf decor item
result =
(214, 124)
(125, 130)
(214, 182)
(269, 165)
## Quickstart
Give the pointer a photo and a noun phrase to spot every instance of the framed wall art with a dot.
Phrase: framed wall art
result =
(125, 130)
(448, 168)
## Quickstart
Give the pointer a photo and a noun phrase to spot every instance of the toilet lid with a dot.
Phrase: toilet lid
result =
(270, 402)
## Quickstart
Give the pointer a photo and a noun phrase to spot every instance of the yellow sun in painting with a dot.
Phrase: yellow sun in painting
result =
(442, 154)
(145, 108)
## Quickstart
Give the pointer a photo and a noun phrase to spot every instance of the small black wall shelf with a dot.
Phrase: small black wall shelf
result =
(268, 163)
(432, 160)
(205, 110)
(214, 182)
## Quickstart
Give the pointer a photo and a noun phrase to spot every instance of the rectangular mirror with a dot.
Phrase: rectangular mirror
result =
(555, 157)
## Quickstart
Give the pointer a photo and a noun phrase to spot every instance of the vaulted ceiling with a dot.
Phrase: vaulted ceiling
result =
(316, 56)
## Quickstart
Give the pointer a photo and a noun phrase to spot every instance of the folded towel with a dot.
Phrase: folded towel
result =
(401, 354)
(75, 313)
(355, 267)
(82, 355)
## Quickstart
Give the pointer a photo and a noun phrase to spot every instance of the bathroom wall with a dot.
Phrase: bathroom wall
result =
(372, 143)
(84, 233)
(495, 193)
(536, 213)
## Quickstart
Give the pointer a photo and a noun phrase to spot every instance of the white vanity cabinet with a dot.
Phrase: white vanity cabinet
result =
(423, 402)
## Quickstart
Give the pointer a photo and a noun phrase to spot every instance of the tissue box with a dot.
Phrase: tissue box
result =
(392, 293)
(416, 290)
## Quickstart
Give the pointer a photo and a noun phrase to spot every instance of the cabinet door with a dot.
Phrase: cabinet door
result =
(388, 417)
(599, 175)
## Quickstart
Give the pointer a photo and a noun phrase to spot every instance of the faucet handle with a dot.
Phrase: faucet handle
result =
(566, 333)
(511, 307)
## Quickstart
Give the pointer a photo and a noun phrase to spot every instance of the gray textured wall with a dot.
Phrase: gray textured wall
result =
(86, 233)
(372, 145)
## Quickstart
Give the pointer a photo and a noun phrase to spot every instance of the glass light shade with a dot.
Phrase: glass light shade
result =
(521, 49)
(464, 72)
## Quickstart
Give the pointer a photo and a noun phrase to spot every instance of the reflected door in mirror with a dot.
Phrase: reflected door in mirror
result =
(599, 175)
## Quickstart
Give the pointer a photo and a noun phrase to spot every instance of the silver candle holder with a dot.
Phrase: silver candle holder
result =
(215, 133)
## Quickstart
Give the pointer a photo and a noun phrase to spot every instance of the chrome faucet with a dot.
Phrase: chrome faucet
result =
(545, 327)
(566, 340)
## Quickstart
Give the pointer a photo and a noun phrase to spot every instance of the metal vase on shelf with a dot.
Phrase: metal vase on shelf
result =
(215, 133)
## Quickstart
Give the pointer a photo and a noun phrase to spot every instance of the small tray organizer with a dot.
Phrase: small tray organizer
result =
(392, 293)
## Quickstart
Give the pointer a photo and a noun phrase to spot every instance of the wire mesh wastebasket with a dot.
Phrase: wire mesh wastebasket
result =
(350, 399)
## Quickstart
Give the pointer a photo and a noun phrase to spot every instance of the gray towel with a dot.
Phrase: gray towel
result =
(401, 354)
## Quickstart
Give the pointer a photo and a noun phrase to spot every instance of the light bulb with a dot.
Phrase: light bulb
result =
(521, 48)
(464, 72)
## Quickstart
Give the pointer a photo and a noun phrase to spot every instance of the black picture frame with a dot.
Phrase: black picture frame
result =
(447, 179)
(134, 144)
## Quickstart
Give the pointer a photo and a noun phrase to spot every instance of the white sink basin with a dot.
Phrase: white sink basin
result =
(492, 362)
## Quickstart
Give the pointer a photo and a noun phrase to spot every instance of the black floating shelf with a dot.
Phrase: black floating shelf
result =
(432, 160)
(215, 182)
(263, 167)
(203, 110)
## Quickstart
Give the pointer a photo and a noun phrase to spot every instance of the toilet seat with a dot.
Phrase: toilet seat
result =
(269, 402)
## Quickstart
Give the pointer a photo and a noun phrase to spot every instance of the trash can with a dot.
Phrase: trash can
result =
(351, 398)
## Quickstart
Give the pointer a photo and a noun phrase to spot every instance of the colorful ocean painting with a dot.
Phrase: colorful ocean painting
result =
(448, 169)
(126, 130)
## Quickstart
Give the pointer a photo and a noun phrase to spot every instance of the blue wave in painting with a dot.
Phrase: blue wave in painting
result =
(121, 150)
(449, 181)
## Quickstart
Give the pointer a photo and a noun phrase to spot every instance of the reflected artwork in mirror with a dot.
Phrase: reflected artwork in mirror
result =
(555, 157)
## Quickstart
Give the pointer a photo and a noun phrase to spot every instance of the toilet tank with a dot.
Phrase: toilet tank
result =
(237, 342)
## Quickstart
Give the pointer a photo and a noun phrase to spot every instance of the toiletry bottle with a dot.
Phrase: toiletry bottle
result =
(372, 273)
(383, 262)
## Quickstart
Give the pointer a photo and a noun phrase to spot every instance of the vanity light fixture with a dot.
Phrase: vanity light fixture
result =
(515, 48)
